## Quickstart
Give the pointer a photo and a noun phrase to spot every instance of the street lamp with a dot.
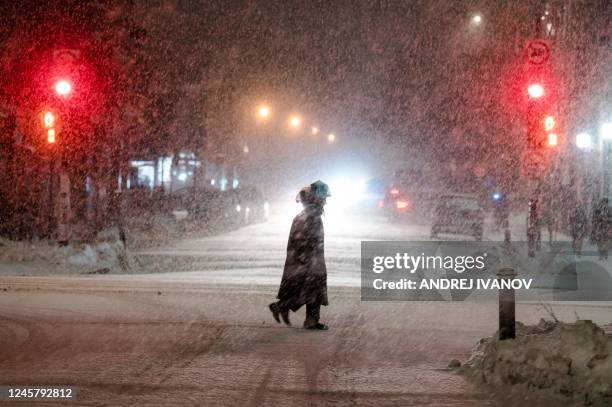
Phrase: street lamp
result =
(583, 140)
(331, 138)
(606, 131)
(315, 130)
(63, 87)
(477, 19)
(295, 121)
(263, 112)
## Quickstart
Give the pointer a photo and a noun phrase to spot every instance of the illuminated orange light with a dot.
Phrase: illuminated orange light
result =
(549, 123)
(49, 119)
(295, 121)
(51, 135)
(401, 204)
(264, 112)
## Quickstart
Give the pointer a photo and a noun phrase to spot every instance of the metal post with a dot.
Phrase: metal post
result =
(51, 206)
(606, 170)
(507, 306)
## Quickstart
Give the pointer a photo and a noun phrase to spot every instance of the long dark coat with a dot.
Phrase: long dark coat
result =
(305, 275)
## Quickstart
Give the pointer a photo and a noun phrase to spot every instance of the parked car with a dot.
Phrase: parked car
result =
(458, 214)
(253, 204)
(206, 205)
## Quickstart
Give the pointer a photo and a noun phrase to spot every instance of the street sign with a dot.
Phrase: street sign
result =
(537, 52)
(533, 164)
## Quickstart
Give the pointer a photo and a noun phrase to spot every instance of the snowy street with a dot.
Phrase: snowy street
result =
(202, 334)
(422, 187)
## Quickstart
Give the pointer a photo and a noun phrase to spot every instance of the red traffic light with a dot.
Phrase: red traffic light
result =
(63, 87)
(535, 90)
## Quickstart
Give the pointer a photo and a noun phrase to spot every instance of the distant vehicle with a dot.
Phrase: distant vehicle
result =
(373, 194)
(397, 203)
(458, 214)
(234, 209)
(208, 205)
(410, 196)
(253, 205)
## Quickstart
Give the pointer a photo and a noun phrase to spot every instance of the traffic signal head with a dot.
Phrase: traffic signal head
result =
(63, 87)
(549, 123)
(48, 119)
(51, 136)
(535, 90)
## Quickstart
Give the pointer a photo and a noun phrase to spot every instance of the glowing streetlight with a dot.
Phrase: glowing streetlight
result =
(606, 131)
(583, 140)
(63, 87)
(315, 130)
(263, 112)
(331, 138)
(295, 121)
(477, 19)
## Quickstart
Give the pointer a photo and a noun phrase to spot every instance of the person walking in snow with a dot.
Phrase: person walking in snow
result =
(601, 226)
(578, 229)
(533, 227)
(304, 280)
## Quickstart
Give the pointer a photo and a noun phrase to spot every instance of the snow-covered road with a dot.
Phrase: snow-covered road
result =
(201, 333)
(255, 254)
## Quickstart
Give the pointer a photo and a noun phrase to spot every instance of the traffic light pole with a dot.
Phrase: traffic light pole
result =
(50, 205)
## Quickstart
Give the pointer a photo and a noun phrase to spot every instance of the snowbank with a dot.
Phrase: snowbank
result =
(106, 255)
(571, 363)
(152, 230)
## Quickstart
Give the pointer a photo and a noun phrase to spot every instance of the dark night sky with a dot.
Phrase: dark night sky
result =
(410, 74)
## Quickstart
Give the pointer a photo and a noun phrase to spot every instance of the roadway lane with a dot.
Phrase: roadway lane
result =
(201, 334)
(255, 254)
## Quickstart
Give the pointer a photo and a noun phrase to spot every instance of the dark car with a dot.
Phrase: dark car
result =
(207, 205)
(458, 214)
(397, 203)
(253, 204)
(410, 196)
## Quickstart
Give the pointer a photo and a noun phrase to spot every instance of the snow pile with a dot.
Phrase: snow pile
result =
(572, 362)
(107, 254)
(150, 231)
